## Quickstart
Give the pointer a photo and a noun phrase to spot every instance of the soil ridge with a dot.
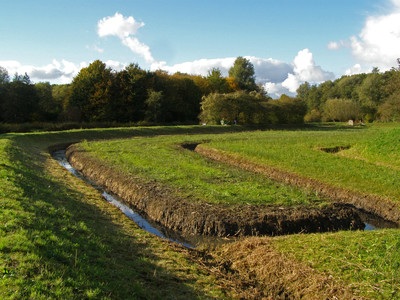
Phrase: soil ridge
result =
(372, 204)
(176, 213)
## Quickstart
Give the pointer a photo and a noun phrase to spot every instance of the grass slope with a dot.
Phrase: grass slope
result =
(300, 152)
(190, 175)
(60, 239)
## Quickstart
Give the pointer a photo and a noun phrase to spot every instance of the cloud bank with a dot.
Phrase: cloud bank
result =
(276, 76)
(378, 43)
(56, 72)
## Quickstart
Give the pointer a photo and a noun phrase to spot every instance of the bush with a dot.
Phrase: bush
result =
(313, 116)
(341, 110)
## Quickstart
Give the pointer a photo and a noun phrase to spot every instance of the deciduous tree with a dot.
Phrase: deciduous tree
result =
(243, 73)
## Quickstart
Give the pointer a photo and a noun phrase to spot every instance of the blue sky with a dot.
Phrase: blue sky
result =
(288, 41)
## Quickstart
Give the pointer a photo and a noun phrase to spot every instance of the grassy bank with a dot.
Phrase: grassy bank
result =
(368, 164)
(192, 176)
(368, 262)
(60, 239)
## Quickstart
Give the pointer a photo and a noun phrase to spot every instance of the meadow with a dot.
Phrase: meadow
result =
(60, 239)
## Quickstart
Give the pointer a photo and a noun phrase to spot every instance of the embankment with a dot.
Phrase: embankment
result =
(373, 204)
(177, 213)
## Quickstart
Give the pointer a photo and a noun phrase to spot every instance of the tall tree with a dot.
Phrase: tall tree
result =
(90, 92)
(20, 101)
(243, 73)
(218, 83)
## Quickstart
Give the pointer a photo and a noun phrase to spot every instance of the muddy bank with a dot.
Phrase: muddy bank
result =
(161, 205)
(369, 203)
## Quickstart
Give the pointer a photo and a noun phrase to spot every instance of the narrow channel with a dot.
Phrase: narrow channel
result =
(141, 221)
(189, 241)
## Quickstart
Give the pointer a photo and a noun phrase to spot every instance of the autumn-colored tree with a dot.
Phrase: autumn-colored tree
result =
(243, 73)
(91, 92)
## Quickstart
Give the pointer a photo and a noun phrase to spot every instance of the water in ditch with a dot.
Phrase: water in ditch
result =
(146, 224)
(371, 222)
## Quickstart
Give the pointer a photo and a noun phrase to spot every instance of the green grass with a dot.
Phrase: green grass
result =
(60, 239)
(367, 171)
(190, 175)
(368, 261)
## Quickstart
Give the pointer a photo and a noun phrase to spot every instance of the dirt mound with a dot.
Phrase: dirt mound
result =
(161, 205)
(253, 269)
(370, 203)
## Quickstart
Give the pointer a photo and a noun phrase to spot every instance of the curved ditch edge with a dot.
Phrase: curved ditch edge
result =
(160, 205)
(371, 204)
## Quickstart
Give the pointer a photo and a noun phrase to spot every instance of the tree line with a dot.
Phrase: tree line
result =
(134, 95)
(366, 97)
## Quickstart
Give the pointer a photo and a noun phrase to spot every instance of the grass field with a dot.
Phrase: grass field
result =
(161, 159)
(59, 239)
(370, 165)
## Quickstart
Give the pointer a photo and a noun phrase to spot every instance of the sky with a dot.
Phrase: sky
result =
(288, 41)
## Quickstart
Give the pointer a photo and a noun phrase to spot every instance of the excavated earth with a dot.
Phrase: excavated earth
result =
(372, 204)
(161, 204)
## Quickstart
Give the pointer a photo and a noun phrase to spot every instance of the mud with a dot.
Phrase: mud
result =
(161, 204)
(336, 149)
(372, 204)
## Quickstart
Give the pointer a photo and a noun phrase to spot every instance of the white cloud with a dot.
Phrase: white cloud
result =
(115, 65)
(292, 83)
(118, 25)
(136, 46)
(125, 29)
(378, 43)
(266, 69)
(306, 70)
(333, 46)
(199, 67)
(270, 70)
(57, 72)
(357, 69)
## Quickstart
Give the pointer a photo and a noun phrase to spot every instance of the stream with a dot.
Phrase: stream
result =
(371, 222)
(188, 241)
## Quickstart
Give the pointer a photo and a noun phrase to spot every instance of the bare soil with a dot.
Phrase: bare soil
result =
(161, 204)
(383, 207)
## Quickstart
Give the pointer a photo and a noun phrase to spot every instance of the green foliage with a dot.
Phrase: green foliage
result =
(313, 116)
(234, 108)
(243, 73)
(155, 106)
(91, 92)
(370, 91)
(390, 110)
(251, 108)
(289, 110)
(217, 83)
(19, 100)
(341, 110)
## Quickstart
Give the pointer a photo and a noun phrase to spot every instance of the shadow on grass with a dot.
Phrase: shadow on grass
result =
(82, 250)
